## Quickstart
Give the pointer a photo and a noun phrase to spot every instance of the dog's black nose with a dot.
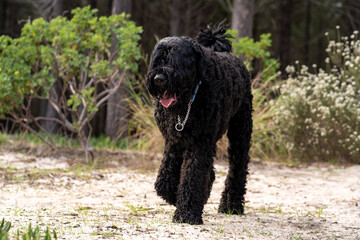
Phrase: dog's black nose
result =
(160, 78)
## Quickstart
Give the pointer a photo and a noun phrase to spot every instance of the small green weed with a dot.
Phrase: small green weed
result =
(31, 234)
(248, 232)
(18, 211)
(105, 234)
(220, 231)
(230, 211)
(296, 238)
(4, 230)
(319, 212)
(83, 209)
(306, 213)
(137, 209)
(271, 210)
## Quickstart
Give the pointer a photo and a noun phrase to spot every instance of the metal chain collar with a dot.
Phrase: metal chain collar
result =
(179, 126)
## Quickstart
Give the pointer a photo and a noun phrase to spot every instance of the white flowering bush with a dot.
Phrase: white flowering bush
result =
(319, 110)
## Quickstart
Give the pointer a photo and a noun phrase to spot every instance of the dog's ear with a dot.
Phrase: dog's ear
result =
(201, 64)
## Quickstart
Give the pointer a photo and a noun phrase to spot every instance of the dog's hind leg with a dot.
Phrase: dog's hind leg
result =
(196, 178)
(239, 135)
(168, 178)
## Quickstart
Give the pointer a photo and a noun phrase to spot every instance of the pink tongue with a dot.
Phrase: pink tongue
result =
(167, 100)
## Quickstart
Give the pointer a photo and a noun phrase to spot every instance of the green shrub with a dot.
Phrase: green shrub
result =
(255, 50)
(75, 55)
(319, 113)
(3, 138)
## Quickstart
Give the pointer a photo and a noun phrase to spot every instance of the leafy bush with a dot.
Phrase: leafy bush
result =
(319, 112)
(255, 50)
(73, 56)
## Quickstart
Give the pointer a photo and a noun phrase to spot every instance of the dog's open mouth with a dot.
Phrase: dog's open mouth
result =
(167, 99)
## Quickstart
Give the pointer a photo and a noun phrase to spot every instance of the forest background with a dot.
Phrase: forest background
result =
(271, 35)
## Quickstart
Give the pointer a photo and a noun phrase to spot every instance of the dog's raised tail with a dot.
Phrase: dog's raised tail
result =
(215, 39)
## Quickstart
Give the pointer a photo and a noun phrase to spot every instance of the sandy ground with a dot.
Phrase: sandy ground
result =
(117, 202)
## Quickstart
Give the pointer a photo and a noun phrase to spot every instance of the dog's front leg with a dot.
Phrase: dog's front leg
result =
(168, 178)
(195, 183)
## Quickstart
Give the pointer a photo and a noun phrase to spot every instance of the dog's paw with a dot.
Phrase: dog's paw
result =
(187, 218)
(231, 210)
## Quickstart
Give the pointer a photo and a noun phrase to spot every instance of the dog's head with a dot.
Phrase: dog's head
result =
(174, 70)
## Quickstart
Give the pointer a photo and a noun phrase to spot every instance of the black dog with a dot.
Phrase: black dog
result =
(200, 91)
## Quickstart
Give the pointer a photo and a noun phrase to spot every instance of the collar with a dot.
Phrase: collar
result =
(179, 126)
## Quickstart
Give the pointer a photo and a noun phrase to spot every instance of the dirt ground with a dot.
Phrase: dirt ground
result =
(115, 199)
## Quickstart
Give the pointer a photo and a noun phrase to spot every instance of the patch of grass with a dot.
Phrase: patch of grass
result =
(105, 234)
(230, 211)
(319, 212)
(265, 232)
(271, 210)
(4, 138)
(102, 141)
(306, 213)
(145, 133)
(296, 237)
(30, 234)
(4, 230)
(30, 138)
(248, 232)
(106, 210)
(14, 175)
(83, 210)
(82, 171)
(133, 220)
(220, 230)
(18, 211)
(136, 209)
(105, 142)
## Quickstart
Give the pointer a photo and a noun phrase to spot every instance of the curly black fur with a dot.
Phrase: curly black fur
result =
(223, 103)
(216, 40)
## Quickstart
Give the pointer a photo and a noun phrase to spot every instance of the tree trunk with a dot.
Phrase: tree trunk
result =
(307, 33)
(49, 112)
(85, 3)
(3, 16)
(11, 21)
(58, 8)
(285, 20)
(120, 6)
(242, 17)
(320, 43)
(175, 17)
(117, 109)
(46, 109)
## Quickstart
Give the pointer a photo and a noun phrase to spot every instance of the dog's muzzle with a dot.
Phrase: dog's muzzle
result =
(159, 83)
(159, 79)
